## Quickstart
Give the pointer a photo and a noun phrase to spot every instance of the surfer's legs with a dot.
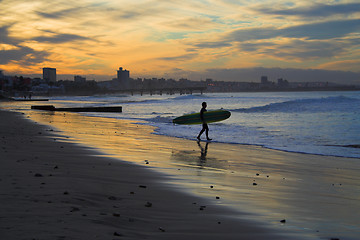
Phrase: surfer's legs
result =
(207, 134)
(201, 132)
(206, 130)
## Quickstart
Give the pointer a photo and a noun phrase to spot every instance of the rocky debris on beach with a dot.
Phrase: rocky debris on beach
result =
(148, 204)
(74, 209)
(202, 207)
(112, 198)
(117, 234)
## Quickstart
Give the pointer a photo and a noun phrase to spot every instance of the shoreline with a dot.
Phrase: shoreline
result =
(351, 88)
(54, 189)
(276, 149)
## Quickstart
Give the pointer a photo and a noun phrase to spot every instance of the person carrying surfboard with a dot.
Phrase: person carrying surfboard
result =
(205, 127)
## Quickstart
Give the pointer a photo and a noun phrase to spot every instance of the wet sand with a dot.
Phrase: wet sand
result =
(53, 189)
(56, 188)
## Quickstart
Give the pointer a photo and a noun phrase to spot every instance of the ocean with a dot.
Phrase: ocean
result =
(324, 123)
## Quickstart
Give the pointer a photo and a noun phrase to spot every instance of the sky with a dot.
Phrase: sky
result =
(197, 39)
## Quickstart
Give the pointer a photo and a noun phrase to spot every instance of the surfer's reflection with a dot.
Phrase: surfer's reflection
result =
(189, 157)
(203, 152)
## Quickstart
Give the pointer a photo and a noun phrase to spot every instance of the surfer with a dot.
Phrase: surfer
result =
(205, 127)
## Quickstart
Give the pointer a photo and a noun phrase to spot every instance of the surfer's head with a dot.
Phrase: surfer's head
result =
(204, 104)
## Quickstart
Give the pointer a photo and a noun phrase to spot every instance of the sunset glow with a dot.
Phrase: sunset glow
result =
(177, 38)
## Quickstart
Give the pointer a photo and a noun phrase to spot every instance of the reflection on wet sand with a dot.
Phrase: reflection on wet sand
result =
(198, 159)
(203, 152)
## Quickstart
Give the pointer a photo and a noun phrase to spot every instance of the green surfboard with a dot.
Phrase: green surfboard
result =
(209, 117)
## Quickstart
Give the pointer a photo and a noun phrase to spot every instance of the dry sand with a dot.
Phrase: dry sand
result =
(58, 190)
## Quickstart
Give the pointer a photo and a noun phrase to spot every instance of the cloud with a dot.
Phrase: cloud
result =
(4, 36)
(345, 64)
(323, 30)
(242, 35)
(323, 40)
(255, 46)
(212, 44)
(24, 55)
(191, 23)
(61, 38)
(316, 10)
(111, 9)
(132, 12)
(15, 52)
(179, 58)
(297, 49)
(60, 14)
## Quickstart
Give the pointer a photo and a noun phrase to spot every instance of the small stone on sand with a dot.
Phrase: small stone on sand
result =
(148, 204)
(75, 209)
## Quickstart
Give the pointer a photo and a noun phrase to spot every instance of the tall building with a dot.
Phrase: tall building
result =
(49, 74)
(123, 77)
(264, 80)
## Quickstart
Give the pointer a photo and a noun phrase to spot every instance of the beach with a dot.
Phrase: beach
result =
(70, 176)
(53, 189)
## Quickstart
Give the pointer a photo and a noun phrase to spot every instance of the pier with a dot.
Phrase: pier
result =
(161, 91)
(30, 99)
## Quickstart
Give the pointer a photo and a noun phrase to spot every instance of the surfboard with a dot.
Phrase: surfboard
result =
(209, 117)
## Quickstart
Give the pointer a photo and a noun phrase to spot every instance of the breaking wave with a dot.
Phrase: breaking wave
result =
(304, 105)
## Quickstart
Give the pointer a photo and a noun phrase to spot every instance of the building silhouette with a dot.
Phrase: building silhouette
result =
(264, 80)
(79, 79)
(123, 78)
(49, 75)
